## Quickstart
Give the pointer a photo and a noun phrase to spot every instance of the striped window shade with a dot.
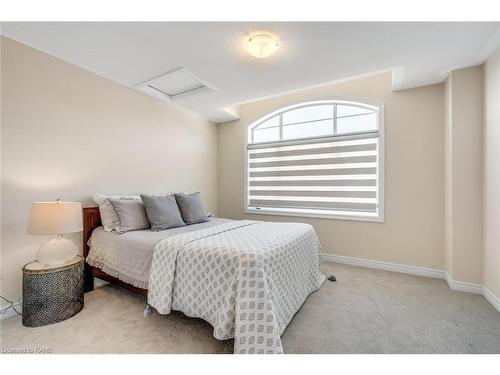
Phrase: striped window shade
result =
(333, 176)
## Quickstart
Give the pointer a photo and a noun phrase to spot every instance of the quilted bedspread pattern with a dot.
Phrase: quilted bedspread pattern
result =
(246, 278)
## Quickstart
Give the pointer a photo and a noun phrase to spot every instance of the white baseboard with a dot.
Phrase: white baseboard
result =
(386, 266)
(10, 312)
(491, 298)
(455, 285)
(461, 286)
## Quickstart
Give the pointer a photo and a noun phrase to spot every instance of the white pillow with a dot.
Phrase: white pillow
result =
(109, 218)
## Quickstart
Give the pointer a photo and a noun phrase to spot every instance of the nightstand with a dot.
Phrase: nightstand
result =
(52, 294)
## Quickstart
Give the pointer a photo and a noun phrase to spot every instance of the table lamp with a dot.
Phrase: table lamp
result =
(56, 218)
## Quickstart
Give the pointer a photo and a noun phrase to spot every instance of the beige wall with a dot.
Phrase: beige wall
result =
(491, 172)
(67, 133)
(448, 187)
(413, 232)
(463, 174)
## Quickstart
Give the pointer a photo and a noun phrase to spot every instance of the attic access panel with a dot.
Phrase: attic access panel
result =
(178, 83)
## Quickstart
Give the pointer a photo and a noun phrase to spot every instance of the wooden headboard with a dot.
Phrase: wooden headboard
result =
(91, 220)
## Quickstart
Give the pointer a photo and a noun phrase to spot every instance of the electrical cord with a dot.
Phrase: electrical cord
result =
(11, 305)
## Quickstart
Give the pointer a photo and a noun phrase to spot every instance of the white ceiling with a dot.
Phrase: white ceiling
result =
(310, 54)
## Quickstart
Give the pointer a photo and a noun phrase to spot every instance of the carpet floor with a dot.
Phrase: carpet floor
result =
(365, 311)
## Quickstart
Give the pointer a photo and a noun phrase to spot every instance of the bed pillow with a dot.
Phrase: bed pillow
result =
(131, 214)
(163, 212)
(109, 218)
(191, 208)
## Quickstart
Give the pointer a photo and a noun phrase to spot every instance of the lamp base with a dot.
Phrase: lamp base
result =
(57, 251)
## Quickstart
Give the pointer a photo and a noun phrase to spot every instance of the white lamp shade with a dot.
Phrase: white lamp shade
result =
(55, 218)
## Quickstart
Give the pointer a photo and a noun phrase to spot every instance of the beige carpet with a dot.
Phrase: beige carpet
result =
(365, 311)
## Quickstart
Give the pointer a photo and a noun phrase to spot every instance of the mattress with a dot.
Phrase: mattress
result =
(128, 256)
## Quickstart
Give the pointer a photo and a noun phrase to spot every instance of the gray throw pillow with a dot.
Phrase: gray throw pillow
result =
(162, 211)
(131, 214)
(191, 208)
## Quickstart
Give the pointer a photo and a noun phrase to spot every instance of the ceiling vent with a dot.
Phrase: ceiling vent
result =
(176, 84)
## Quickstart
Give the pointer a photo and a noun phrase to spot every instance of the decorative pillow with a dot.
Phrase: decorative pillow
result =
(162, 212)
(131, 214)
(191, 208)
(109, 218)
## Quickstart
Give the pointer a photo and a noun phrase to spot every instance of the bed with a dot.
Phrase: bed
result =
(246, 278)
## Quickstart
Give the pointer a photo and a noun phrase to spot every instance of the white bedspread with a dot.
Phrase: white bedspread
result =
(128, 256)
(246, 278)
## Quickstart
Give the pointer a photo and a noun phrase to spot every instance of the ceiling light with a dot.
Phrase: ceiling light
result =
(262, 45)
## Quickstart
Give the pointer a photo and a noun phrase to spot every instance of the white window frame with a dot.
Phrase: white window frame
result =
(380, 217)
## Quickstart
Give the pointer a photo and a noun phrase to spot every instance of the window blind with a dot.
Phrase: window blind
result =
(329, 175)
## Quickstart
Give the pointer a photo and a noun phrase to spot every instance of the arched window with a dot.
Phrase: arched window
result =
(317, 159)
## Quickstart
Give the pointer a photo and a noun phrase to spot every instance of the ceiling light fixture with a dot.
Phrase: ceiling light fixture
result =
(262, 45)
